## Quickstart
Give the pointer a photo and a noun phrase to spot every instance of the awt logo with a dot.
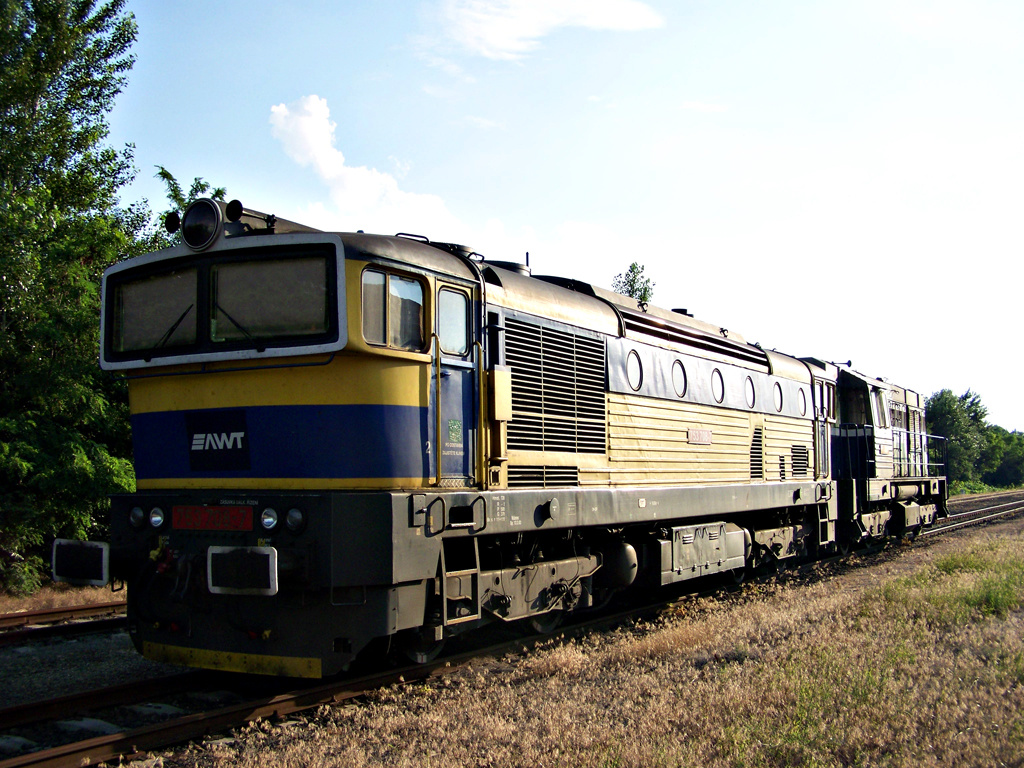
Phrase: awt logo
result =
(217, 441)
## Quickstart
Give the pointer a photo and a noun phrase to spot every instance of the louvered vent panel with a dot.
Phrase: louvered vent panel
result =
(544, 477)
(558, 397)
(757, 455)
(799, 460)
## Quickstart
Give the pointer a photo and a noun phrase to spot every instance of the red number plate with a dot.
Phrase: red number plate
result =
(212, 518)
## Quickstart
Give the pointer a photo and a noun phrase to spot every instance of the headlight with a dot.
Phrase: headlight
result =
(294, 519)
(268, 518)
(156, 517)
(137, 517)
(201, 224)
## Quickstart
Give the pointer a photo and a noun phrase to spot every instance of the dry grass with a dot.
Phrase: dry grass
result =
(58, 596)
(921, 668)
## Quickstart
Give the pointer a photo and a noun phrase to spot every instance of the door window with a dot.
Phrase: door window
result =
(453, 322)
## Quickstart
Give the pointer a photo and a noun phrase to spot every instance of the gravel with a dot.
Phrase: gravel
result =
(43, 670)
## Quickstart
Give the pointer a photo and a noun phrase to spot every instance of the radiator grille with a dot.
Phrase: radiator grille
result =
(544, 477)
(757, 455)
(558, 391)
(799, 460)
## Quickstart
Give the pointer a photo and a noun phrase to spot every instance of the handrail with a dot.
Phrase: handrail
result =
(481, 456)
(435, 345)
(914, 454)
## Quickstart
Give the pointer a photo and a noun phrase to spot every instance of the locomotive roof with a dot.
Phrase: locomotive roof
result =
(575, 302)
(563, 299)
(406, 250)
(896, 393)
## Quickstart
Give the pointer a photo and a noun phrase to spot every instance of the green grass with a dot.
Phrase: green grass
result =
(963, 586)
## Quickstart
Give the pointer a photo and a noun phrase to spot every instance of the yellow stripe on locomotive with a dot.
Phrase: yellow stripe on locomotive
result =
(357, 418)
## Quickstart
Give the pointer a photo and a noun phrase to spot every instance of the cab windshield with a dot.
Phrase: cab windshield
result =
(230, 304)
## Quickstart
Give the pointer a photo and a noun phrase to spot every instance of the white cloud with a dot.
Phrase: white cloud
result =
(703, 106)
(363, 198)
(482, 122)
(509, 29)
(425, 48)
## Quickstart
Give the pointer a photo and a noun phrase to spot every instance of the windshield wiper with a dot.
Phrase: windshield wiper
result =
(238, 325)
(170, 331)
(245, 332)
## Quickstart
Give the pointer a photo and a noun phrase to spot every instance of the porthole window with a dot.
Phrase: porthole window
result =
(778, 396)
(634, 370)
(679, 378)
(802, 402)
(717, 386)
(749, 391)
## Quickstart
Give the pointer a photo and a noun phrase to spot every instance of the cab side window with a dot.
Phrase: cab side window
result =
(879, 408)
(393, 312)
(453, 321)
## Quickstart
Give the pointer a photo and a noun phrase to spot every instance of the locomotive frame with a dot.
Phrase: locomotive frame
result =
(341, 437)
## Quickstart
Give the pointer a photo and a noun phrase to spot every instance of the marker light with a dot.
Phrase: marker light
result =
(201, 224)
(268, 518)
(156, 517)
(137, 517)
(294, 519)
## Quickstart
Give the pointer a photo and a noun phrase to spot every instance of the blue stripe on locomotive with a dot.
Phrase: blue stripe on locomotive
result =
(314, 441)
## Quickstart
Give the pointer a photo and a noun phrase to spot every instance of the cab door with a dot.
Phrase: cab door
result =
(456, 363)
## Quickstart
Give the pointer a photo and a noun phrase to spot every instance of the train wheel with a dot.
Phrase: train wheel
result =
(419, 645)
(546, 623)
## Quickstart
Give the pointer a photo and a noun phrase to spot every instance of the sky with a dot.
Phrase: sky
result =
(837, 180)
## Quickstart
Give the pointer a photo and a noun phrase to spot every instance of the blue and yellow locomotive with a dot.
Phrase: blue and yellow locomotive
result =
(341, 437)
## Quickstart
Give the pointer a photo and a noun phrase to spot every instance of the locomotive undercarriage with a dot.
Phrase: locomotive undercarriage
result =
(400, 578)
(872, 510)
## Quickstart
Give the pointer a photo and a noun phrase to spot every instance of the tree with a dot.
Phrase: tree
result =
(179, 201)
(176, 195)
(1003, 458)
(64, 439)
(632, 283)
(961, 420)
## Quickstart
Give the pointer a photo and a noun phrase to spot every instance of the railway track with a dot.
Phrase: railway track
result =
(26, 626)
(130, 742)
(178, 724)
(971, 513)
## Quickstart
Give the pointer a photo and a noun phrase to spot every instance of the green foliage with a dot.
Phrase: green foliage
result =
(176, 195)
(179, 200)
(1006, 458)
(64, 439)
(632, 283)
(958, 487)
(981, 455)
(961, 420)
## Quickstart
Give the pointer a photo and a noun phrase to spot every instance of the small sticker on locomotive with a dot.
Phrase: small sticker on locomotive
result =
(203, 518)
(454, 430)
(698, 436)
(218, 440)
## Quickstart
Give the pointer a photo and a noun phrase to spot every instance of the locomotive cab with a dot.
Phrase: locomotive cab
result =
(889, 472)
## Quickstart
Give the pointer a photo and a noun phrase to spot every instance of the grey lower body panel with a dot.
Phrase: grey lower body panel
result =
(498, 512)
